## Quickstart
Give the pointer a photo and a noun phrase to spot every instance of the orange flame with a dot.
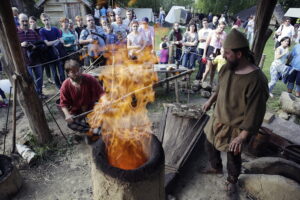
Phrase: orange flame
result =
(122, 112)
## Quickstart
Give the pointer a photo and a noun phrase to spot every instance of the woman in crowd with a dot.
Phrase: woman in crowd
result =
(136, 41)
(212, 49)
(190, 42)
(33, 25)
(111, 17)
(69, 39)
(278, 66)
(164, 50)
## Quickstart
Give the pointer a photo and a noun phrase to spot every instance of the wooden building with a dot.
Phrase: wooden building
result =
(64, 8)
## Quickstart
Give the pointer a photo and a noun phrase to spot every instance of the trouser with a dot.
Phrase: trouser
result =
(36, 74)
(188, 60)
(276, 71)
(234, 162)
(294, 77)
(61, 71)
(47, 70)
(201, 65)
(2, 94)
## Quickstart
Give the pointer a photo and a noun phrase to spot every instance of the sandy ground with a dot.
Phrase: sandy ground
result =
(64, 172)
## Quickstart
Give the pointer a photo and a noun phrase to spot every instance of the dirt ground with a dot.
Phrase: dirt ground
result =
(63, 171)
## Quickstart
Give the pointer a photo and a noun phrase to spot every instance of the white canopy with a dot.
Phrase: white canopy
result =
(293, 12)
(177, 14)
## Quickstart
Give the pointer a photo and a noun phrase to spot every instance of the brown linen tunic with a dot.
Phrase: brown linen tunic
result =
(241, 105)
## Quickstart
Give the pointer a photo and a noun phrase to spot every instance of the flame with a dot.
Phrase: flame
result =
(122, 112)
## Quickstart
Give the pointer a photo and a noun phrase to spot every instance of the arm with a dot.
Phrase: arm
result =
(213, 98)
(83, 38)
(206, 46)
(279, 54)
(68, 116)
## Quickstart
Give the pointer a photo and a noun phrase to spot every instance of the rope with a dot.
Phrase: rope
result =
(52, 61)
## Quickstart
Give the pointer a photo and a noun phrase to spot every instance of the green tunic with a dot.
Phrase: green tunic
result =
(241, 105)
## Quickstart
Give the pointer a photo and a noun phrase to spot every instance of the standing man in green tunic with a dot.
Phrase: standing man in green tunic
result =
(240, 107)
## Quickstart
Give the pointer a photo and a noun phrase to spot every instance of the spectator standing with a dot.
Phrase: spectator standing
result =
(250, 30)
(52, 38)
(33, 25)
(162, 16)
(111, 38)
(294, 77)
(190, 42)
(209, 17)
(111, 17)
(28, 38)
(118, 26)
(148, 31)
(95, 43)
(164, 50)
(69, 39)
(117, 10)
(3, 103)
(103, 12)
(238, 21)
(15, 12)
(136, 41)
(175, 38)
(222, 19)
(214, 24)
(278, 66)
(97, 15)
(104, 23)
(212, 49)
(79, 25)
(285, 30)
(128, 19)
(202, 37)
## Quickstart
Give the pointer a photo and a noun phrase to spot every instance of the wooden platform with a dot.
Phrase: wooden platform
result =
(181, 128)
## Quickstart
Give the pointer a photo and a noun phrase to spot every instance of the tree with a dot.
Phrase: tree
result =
(217, 7)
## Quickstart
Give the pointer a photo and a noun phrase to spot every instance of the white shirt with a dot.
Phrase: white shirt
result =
(149, 34)
(136, 40)
(286, 31)
(250, 26)
(203, 35)
(117, 11)
(120, 28)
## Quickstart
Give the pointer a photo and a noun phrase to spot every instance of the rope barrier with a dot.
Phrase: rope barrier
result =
(52, 61)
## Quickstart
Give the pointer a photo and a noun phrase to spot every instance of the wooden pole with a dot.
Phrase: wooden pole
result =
(14, 64)
(14, 125)
(262, 32)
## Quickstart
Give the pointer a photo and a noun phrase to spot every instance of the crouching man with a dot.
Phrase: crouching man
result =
(78, 94)
(240, 107)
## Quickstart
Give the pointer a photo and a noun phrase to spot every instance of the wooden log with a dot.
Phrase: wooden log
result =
(10, 180)
(289, 103)
(262, 33)
(28, 99)
(273, 166)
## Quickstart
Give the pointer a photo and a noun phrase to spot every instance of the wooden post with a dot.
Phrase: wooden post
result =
(262, 33)
(14, 117)
(14, 64)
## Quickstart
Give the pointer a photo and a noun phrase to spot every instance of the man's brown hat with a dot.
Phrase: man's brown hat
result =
(235, 40)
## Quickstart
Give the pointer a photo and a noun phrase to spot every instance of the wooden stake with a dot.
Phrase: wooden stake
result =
(14, 126)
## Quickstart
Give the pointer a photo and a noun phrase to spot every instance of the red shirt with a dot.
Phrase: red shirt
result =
(78, 101)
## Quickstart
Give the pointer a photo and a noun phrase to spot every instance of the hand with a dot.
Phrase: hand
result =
(69, 118)
(91, 40)
(24, 44)
(206, 106)
(236, 144)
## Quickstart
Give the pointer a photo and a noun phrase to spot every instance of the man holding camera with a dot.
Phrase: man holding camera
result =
(28, 38)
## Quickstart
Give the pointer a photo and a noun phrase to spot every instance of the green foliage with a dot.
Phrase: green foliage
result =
(289, 4)
(218, 7)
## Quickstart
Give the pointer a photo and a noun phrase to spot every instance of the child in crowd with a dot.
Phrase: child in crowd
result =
(164, 51)
(219, 61)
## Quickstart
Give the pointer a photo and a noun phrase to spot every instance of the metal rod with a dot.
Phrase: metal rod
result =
(138, 90)
(6, 124)
(14, 117)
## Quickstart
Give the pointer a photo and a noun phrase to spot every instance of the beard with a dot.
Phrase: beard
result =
(232, 65)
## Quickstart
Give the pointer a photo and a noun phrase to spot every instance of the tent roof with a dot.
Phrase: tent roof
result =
(41, 2)
(293, 12)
